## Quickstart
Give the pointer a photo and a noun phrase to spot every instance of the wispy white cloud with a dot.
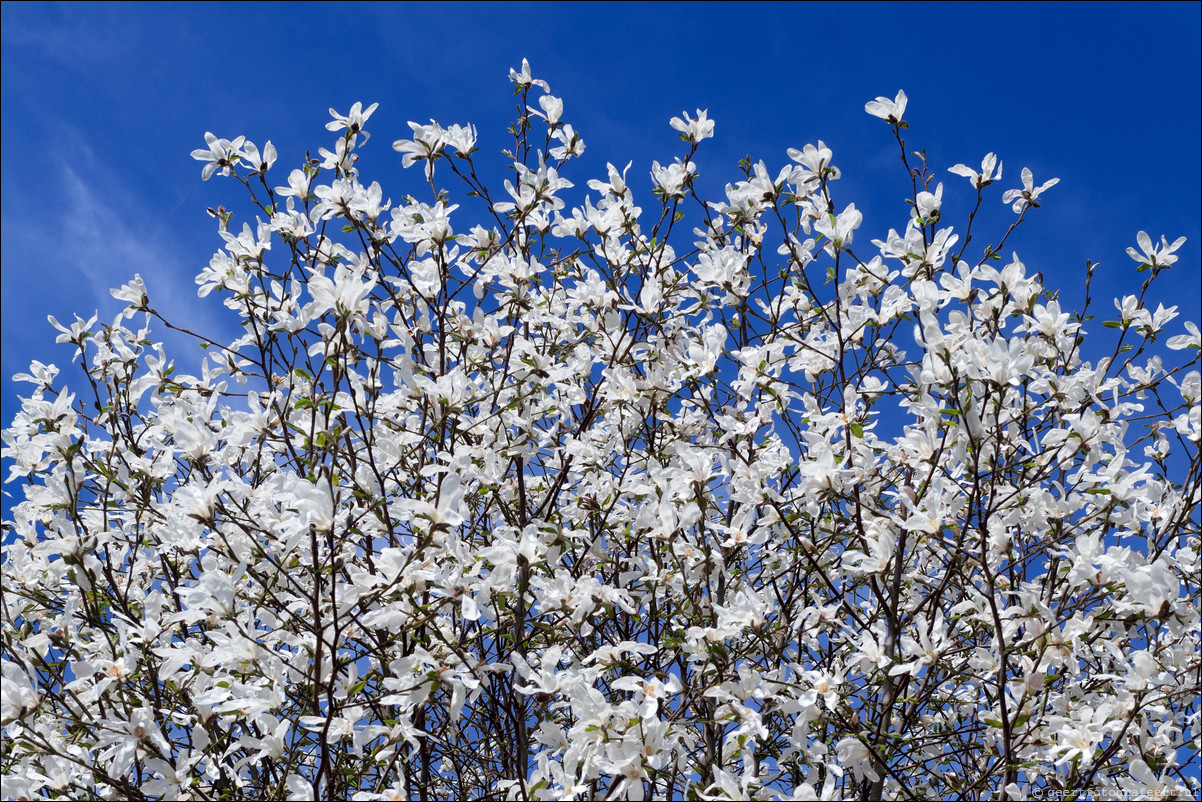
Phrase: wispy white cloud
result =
(78, 36)
(82, 233)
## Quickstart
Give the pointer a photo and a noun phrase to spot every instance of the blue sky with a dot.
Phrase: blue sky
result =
(102, 105)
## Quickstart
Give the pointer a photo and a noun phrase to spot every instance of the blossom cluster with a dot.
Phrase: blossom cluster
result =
(617, 494)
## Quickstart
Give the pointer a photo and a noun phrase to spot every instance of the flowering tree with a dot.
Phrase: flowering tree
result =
(646, 497)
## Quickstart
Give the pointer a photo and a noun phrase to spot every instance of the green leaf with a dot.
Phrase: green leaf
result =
(857, 429)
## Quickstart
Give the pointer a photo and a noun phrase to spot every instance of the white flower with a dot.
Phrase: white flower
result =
(1027, 195)
(1191, 340)
(1078, 739)
(552, 108)
(824, 687)
(18, 697)
(298, 185)
(460, 137)
(221, 155)
(133, 293)
(816, 161)
(445, 513)
(987, 175)
(927, 205)
(673, 179)
(888, 110)
(571, 145)
(648, 692)
(839, 229)
(1164, 255)
(426, 146)
(353, 121)
(855, 755)
(693, 130)
(260, 163)
(870, 655)
(122, 740)
(346, 295)
(523, 79)
(315, 505)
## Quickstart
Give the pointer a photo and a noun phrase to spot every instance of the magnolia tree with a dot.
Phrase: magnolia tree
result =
(641, 497)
